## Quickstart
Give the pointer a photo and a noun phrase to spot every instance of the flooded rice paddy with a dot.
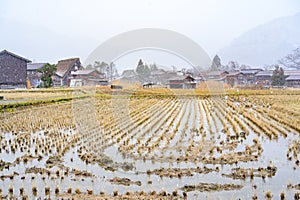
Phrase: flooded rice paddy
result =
(194, 147)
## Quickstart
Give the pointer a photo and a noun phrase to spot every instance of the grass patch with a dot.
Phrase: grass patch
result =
(10, 107)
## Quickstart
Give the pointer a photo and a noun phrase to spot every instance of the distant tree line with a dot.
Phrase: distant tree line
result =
(216, 65)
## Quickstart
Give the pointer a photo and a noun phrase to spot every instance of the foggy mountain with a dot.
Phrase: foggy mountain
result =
(265, 44)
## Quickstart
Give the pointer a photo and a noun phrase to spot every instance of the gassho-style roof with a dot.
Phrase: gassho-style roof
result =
(35, 66)
(64, 65)
(14, 55)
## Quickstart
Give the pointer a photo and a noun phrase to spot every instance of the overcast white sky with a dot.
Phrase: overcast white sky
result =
(213, 24)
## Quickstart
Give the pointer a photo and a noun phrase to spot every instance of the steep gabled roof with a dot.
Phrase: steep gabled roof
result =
(64, 65)
(14, 55)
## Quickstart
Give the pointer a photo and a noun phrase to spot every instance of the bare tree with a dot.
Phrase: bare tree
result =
(291, 60)
(232, 65)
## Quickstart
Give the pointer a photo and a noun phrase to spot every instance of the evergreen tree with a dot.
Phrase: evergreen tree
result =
(216, 63)
(153, 67)
(140, 62)
(278, 77)
(142, 69)
(47, 72)
(281, 76)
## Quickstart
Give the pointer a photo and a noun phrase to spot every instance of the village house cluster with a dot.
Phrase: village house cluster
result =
(189, 80)
(19, 72)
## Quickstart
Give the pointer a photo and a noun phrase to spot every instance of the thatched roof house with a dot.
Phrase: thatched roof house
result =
(64, 69)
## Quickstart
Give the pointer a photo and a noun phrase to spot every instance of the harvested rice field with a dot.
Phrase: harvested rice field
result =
(150, 145)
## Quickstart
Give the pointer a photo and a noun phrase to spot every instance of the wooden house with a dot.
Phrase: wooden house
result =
(214, 75)
(292, 78)
(264, 77)
(12, 70)
(33, 75)
(242, 77)
(235, 78)
(64, 69)
(249, 75)
(182, 82)
(293, 81)
(87, 78)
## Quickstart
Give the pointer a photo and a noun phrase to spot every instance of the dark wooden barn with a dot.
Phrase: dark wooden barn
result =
(12, 70)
